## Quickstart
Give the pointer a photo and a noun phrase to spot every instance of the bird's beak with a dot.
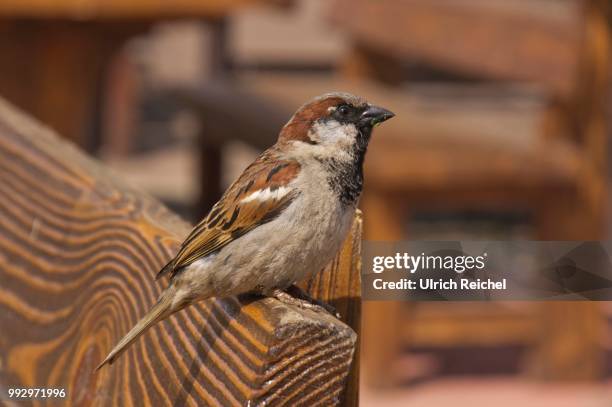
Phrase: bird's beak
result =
(374, 115)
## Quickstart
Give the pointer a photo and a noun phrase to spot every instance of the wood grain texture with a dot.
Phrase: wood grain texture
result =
(343, 291)
(78, 254)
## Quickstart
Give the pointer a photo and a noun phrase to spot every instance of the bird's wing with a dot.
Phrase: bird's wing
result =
(260, 194)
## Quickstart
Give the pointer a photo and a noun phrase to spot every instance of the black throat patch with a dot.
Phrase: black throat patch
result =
(346, 177)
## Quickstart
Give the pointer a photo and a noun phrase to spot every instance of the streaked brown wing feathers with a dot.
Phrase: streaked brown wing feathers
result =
(232, 217)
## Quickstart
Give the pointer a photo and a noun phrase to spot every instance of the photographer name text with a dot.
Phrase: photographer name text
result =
(439, 284)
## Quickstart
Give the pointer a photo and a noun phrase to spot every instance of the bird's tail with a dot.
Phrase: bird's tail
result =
(160, 310)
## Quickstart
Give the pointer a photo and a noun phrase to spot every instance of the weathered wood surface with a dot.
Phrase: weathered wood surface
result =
(78, 253)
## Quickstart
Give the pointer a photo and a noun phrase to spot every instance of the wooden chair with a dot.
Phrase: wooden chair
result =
(46, 44)
(563, 47)
(78, 255)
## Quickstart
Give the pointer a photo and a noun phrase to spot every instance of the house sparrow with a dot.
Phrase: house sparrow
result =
(284, 219)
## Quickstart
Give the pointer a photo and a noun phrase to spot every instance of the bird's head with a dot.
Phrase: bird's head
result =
(333, 124)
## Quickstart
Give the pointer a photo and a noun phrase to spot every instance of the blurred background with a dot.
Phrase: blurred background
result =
(501, 133)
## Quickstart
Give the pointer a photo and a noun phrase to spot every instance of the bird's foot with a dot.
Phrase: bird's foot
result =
(303, 301)
(297, 292)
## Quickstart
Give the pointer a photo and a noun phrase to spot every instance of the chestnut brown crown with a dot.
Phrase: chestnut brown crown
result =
(340, 106)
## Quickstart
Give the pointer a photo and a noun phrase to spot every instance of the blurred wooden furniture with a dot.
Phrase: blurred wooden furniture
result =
(495, 141)
(54, 53)
(78, 253)
(562, 47)
(534, 141)
(534, 41)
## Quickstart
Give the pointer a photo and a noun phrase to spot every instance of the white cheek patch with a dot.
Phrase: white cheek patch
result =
(334, 132)
(266, 194)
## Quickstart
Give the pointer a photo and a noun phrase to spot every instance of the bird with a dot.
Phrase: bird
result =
(282, 220)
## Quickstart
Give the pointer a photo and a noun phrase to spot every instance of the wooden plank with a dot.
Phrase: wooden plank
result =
(78, 253)
(571, 333)
(53, 53)
(535, 41)
(569, 341)
(107, 9)
(55, 69)
(227, 111)
(344, 294)
(445, 325)
(382, 338)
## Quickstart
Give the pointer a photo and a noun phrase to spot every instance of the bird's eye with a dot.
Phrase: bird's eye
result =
(343, 110)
